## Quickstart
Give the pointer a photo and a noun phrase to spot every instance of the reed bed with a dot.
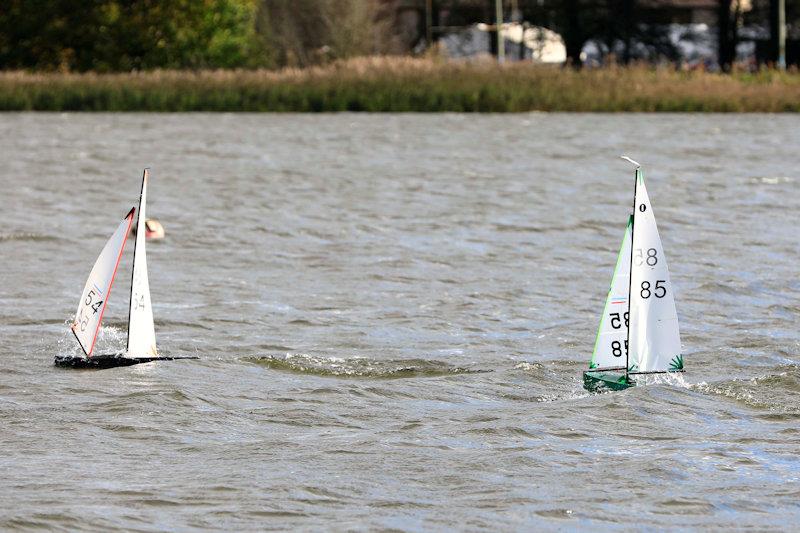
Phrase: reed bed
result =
(384, 84)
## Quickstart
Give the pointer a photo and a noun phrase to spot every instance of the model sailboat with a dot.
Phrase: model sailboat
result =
(638, 331)
(141, 344)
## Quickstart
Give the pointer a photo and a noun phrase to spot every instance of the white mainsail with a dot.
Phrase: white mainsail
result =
(95, 294)
(141, 330)
(655, 343)
(612, 334)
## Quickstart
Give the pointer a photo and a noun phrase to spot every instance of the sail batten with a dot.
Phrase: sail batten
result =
(97, 290)
(141, 329)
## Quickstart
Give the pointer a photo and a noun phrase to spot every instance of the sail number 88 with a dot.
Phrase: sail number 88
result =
(651, 259)
(659, 291)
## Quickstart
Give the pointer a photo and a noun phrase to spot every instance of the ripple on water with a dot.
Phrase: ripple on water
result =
(778, 393)
(422, 251)
(359, 367)
(25, 236)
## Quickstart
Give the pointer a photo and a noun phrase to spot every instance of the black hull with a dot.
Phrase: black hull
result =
(100, 362)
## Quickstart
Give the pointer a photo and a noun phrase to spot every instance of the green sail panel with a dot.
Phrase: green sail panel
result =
(612, 333)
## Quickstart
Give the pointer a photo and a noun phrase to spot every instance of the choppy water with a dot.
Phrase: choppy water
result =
(392, 314)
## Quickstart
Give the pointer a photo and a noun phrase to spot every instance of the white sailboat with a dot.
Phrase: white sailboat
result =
(141, 344)
(638, 332)
(141, 330)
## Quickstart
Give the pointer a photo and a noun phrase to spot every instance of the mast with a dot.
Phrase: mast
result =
(133, 263)
(630, 274)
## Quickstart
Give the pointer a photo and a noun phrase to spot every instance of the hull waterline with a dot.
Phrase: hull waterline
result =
(100, 362)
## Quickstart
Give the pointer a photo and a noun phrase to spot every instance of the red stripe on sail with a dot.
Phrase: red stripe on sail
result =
(111, 284)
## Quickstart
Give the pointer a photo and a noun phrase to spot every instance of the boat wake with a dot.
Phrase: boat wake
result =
(779, 393)
(673, 379)
(358, 367)
(110, 339)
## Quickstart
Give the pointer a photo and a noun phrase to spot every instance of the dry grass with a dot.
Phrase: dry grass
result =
(405, 84)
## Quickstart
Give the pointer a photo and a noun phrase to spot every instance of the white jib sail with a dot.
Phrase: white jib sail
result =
(141, 331)
(612, 334)
(95, 294)
(655, 343)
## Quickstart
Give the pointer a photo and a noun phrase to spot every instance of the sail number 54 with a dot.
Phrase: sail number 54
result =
(89, 301)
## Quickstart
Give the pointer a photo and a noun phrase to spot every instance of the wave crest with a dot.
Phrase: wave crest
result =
(358, 367)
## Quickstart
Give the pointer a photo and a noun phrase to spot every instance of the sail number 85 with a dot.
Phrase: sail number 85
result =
(616, 348)
(659, 291)
(616, 320)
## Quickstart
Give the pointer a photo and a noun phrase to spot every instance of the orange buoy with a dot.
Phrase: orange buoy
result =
(153, 229)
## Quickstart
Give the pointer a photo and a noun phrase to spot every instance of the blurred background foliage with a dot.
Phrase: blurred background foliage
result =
(125, 35)
(132, 35)
(305, 32)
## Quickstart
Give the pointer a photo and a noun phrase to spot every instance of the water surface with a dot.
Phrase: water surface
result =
(392, 313)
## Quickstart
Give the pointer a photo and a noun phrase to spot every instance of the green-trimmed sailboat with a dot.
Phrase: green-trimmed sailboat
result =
(638, 332)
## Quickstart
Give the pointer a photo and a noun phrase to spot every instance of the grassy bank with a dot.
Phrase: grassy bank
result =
(403, 84)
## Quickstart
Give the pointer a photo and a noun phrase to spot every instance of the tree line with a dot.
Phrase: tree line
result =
(127, 35)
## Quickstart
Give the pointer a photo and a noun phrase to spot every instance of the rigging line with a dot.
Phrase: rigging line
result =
(630, 269)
